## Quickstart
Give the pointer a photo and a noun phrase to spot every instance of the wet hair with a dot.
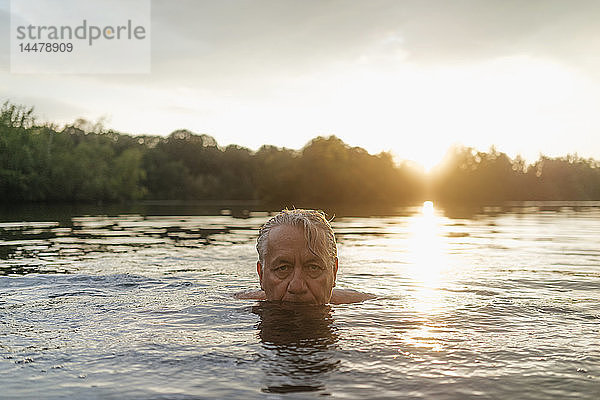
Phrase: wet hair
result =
(317, 232)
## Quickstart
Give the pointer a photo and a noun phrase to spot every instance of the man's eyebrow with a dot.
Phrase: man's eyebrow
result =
(288, 259)
(281, 258)
(314, 259)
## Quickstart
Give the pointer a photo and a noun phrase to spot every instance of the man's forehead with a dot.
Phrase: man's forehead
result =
(286, 239)
(284, 235)
(281, 231)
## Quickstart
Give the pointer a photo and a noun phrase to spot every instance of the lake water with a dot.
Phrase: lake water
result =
(485, 302)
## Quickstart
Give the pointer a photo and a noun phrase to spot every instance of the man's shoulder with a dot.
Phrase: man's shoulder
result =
(250, 295)
(345, 296)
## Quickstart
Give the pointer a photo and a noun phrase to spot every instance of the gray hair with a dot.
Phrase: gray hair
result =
(317, 231)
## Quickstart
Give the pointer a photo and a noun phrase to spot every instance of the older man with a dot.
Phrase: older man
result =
(297, 261)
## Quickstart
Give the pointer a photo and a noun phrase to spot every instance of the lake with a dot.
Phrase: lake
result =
(136, 303)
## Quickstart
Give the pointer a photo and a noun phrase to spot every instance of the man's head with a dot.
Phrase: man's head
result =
(297, 257)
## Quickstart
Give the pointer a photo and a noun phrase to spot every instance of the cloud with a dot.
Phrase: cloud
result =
(463, 30)
(4, 35)
(246, 45)
(50, 109)
(238, 44)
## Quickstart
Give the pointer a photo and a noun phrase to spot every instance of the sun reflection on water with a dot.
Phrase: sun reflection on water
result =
(427, 261)
(427, 208)
(426, 247)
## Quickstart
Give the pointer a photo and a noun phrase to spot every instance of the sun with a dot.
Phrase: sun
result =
(426, 155)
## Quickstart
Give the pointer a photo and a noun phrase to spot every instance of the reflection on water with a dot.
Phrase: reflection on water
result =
(46, 247)
(427, 257)
(299, 346)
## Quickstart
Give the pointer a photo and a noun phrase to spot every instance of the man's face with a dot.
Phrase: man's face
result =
(291, 272)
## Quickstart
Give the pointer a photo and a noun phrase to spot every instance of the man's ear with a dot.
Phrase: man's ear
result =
(335, 268)
(259, 270)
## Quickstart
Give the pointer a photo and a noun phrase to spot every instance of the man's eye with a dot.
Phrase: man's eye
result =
(282, 268)
(315, 270)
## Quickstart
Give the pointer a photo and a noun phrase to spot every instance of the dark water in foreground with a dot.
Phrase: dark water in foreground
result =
(497, 302)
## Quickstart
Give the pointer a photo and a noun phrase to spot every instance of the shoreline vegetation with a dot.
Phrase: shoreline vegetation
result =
(83, 162)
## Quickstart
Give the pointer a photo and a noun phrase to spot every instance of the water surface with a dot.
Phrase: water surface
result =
(486, 302)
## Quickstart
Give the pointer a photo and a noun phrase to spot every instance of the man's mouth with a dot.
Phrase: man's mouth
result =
(299, 299)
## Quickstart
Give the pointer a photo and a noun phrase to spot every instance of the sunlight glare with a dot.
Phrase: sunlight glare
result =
(428, 260)
(427, 208)
(427, 256)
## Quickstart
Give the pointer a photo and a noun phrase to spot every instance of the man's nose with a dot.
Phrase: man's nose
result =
(297, 284)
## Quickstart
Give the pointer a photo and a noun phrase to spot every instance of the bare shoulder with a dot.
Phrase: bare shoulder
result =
(345, 296)
(250, 295)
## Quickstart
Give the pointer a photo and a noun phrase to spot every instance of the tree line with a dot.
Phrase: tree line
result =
(475, 176)
(85, 162)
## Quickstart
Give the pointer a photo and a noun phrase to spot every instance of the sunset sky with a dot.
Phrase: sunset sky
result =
(411, 77)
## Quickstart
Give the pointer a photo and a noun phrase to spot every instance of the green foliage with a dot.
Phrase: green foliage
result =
(330, 171)
(86, 162)
(473, 176)
(38, 163)
(16, 116)
(566, 178)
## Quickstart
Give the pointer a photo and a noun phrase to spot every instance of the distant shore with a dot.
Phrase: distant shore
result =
(84, 163)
